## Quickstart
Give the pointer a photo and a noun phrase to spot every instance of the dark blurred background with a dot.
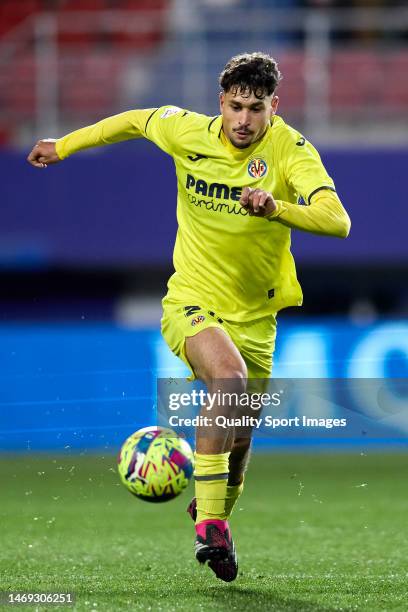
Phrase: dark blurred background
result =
(84, 244)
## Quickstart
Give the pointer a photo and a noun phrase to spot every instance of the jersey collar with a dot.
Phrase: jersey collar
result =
(215, 128)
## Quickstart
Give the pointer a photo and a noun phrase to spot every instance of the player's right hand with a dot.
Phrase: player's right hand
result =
(257, 202)
(43, 153)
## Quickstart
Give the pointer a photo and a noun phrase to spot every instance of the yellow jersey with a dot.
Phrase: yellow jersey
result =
(239, 265)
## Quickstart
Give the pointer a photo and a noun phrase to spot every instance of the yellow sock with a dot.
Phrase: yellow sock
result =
(233, 492)
(211, 476)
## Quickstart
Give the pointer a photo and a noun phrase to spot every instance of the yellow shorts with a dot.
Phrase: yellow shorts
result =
(255, 340)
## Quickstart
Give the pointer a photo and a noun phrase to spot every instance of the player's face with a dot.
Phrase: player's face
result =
(246, 117)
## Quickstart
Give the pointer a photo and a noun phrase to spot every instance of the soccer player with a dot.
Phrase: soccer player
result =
(245, 179)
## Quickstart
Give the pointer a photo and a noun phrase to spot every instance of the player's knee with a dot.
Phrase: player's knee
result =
(234, 372)
(231, 374)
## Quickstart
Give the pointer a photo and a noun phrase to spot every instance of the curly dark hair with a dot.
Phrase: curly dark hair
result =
(247, 73)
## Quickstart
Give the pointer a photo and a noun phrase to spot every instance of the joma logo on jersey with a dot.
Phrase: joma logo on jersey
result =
(257, 168)
(213, 190)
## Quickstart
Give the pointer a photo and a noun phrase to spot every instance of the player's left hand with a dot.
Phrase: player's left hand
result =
(44, 153)
(257, 202)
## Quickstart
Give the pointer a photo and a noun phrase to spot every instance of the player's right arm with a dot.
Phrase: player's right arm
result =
(125, 126)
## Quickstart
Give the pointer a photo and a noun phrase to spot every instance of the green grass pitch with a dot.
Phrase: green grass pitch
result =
(313, 532)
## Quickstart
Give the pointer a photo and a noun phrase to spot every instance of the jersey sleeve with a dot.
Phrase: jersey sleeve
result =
(163, 126)
(125, 126)
(325, 215)
(167, 126)
(319, 209)
(303, 168)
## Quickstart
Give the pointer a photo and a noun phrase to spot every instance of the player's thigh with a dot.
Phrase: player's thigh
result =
(213, 353)
(256, 343)
(214, 356)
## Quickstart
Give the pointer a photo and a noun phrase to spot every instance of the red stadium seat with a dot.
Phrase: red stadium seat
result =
(18, 87)
(5, 134)
(395, 86)
(134, 39)
(89, 84)
(84, 5)
(144, 5)
(154, 10)
(356, 79)
(14, 12)
(292, 93)
(82, 37)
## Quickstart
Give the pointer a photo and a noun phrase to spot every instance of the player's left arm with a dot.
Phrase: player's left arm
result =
(325, 214)
(305, 174)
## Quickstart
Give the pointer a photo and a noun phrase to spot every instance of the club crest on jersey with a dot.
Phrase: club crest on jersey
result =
(197, 320)
(257, 168)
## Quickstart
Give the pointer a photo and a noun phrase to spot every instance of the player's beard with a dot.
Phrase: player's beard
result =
(244, 143)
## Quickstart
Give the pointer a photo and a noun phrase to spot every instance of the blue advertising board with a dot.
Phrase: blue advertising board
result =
(83, 387)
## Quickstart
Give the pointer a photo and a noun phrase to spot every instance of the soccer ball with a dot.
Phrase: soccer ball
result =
(155, 464)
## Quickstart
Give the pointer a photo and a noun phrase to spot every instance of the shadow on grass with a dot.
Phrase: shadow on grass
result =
(236, 597)
(218, 597)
